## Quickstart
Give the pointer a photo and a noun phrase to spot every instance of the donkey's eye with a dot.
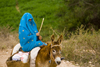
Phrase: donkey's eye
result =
(54, 51)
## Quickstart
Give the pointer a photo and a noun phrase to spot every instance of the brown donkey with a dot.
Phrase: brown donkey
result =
(50, 55)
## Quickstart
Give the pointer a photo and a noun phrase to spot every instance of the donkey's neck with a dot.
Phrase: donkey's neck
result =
(44, 54)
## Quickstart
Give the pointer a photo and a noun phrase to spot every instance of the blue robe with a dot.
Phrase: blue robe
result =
(27, 33)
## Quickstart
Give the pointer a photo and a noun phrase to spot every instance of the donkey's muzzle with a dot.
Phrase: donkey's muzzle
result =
(58, 62)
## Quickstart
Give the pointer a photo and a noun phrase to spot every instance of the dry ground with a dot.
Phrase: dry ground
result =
(4, 54)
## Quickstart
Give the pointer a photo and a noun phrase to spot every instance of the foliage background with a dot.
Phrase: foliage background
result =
(58, 14)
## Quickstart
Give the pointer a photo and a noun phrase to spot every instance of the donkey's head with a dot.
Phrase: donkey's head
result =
(55, 53)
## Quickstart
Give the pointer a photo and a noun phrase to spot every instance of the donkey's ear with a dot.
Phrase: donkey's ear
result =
(48, 44)
(52, 38)
(60, 39)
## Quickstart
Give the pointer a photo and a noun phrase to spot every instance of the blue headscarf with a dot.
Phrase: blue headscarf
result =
(27, 33)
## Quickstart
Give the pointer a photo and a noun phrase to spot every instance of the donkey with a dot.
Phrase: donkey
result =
(50, 55)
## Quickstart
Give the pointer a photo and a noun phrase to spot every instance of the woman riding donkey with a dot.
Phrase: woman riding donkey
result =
(28, 34)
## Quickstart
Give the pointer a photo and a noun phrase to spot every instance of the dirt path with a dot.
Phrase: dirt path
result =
(4, 54)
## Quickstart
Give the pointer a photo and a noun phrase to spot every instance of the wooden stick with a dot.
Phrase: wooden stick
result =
(41, 25)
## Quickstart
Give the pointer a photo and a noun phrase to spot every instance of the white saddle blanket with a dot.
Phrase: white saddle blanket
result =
(20, 55)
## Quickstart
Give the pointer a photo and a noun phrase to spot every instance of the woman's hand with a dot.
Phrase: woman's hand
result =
(38, 34)
(40, 37)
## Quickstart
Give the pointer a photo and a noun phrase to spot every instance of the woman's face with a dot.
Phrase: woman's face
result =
(30, 19)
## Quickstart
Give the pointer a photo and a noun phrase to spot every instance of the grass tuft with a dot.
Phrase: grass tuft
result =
(83, 47)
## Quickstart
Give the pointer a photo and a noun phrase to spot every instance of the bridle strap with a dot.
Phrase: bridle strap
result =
(54, 45)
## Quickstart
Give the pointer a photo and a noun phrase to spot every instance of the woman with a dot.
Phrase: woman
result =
(28, 34)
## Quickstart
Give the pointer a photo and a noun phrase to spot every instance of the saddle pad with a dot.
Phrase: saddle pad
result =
(33, 56)
(21, 56)
(34, 52)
